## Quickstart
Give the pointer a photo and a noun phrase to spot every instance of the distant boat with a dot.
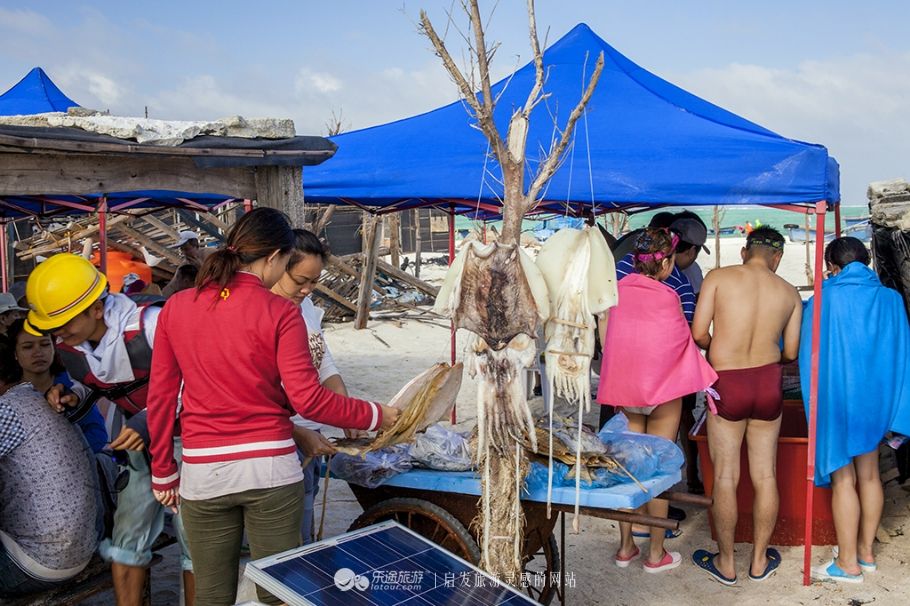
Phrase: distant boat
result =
(858, 229)
(724, 231)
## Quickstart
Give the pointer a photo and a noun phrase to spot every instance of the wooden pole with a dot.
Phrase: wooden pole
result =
(820, 209)
(716, 237)
(395, 238)
(417, 242)
(281, 187)
(371, 235)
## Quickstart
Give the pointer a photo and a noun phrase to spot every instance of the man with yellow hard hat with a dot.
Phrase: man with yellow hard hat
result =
(105, 342)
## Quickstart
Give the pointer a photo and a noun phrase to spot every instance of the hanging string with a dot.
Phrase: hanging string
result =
(483, 182)
(588, 141)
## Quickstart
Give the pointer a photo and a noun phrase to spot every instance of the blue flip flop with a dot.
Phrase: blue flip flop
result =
(832, 572)
(669, 534)
(705, 560)
(774, 560)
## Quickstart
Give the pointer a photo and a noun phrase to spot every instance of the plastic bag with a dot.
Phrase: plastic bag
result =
(373, 468)
(443, 449)
(644, 456)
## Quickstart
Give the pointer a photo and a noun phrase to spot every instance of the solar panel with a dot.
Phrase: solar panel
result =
(381, 565)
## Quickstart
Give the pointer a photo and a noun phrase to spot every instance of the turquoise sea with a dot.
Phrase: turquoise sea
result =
(730, 217)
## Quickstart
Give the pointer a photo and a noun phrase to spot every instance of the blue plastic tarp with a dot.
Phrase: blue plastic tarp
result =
(648, 141)
(34, 94)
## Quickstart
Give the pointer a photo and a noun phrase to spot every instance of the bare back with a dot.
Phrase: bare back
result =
(751, 309)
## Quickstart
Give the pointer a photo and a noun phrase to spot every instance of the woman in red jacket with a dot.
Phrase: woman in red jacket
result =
(235, 346)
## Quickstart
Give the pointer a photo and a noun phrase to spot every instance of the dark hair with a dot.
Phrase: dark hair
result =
(842, 251)
(656, 243)
(255, 235)
(684, 246)
(188, 271)
(688, 214)
(765, 237)
(307, 243)
(12, 370)
(662, 219)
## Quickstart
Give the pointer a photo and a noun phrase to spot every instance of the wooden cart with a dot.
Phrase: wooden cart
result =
(441, 506)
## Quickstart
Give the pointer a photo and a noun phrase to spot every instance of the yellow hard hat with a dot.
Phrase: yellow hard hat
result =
(59, 289)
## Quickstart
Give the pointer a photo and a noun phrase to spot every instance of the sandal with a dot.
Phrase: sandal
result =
(774, 560)
(669, 534)
(867, 567)
(832, 572)
(623, 562)
(671, 560)
(705, 560)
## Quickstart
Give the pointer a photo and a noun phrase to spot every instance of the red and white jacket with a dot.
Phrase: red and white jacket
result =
(238, 353)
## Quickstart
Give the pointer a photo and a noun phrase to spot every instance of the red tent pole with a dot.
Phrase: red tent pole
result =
(820, 210)
(102, 233)
(451, 259)
(4, 275)
(837, 225)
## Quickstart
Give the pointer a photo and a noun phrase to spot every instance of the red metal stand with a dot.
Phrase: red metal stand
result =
(102, 233)
(4, 269)
(837, 222)
(820, 210)
(451, 260)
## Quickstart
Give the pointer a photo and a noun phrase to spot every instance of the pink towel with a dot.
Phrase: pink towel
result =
(649, 355)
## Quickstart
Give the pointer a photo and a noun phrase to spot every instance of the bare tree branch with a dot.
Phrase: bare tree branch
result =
(552, 162)
(483, 59)
(482, 111)
(538, 62)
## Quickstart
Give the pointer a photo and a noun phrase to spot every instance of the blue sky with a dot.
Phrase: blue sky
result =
(832, 72)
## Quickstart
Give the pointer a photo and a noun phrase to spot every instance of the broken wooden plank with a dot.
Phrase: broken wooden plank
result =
(151, 244)
(188, 218)
(407, 278)
(31, 252)
(164, 227)
(334, 296)
(372, 234)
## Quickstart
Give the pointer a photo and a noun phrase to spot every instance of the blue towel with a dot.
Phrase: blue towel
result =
(864, 367)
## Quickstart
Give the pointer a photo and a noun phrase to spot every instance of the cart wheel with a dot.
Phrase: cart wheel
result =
(426, 519)
(547, 557)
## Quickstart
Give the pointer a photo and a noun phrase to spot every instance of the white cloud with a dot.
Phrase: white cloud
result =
(24, 22)
(856, 106)
(322, 82)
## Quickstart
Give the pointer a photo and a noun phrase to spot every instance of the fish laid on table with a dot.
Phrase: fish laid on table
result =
(424, 400)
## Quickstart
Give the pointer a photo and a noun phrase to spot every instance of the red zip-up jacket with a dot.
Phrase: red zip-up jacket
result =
(244, 370)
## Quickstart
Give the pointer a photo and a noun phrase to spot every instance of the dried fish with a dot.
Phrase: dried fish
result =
(424, 400)
(580, 274)
(498, 294)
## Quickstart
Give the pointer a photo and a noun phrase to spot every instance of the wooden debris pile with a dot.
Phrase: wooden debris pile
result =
(396, 290)
(147, 236)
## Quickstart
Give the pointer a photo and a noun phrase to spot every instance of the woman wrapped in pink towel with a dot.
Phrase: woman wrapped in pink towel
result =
(649, 363)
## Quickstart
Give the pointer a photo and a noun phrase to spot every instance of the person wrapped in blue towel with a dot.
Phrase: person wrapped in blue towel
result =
(863, 392)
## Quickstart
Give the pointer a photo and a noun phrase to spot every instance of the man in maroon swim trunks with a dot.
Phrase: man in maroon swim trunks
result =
(752, 310)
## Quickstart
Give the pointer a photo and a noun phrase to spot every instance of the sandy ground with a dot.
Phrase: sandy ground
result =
(376, 362)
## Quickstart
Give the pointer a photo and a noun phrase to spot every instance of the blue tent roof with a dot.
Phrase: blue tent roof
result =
(34, 94)
(642, 141)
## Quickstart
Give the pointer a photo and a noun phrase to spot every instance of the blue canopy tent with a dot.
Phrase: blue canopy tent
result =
(195, 163)
(642, 142)
(36, 93)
